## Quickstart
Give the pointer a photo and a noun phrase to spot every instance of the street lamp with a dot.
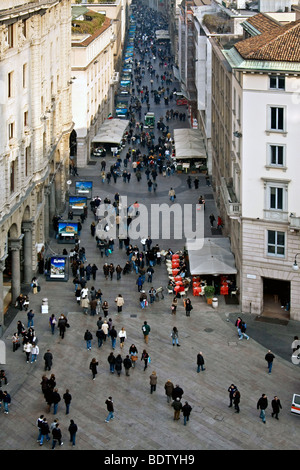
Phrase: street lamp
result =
(295, 265)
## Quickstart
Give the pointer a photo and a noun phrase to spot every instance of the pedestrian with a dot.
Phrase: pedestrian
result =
(56, 436)
(153, 382)
(177, 405)
(127, 365)
(52, 323)
(118, 364)
(62, 325)
(276, 407)
(44, 431)
(67, 399)
(269, 357)
(177, 392)
(110, 408)
(236, 400)
(169, 387)
(6, 399)
(122, 336)
(212, 220)
(27, 349)
(105, 329)
(88, 338)
(72, 430)
(188, 307)
(48, 358)
(39, 424)
(262, 405)
(93, 367)
(238, 324)
(186, 411)
(172, 194)
(112, 361)
(113, 336)
(85, 304)
(231, 390)
(30, 316)
(200, 362)
(105, 308)
(243, 328)
(55, 400)
(119, 272)
(133, 352)
(174, 305)
(34, 352)
(174, 336)
(120, 302)
(146, 330)
(15, 341)
(145, 358)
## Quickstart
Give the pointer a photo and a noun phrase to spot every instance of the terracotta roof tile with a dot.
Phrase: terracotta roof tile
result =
(277, 44)
(262, 22)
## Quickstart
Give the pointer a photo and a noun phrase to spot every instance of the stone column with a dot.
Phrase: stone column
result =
(2, 267)
(27, 229)
(15, 246)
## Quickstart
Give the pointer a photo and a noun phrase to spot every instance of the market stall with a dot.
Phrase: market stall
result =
(111, 132)
(189, 150)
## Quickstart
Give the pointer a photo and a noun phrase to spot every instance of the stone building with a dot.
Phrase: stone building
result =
(36, 123)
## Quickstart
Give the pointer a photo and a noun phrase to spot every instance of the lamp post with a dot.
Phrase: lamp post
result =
(295, 265)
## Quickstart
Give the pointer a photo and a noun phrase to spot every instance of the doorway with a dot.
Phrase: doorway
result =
(276, 298)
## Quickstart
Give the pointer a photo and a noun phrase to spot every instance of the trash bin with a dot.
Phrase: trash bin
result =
(215, 302)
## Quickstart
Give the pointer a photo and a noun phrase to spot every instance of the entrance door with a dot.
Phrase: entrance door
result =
(276, 298)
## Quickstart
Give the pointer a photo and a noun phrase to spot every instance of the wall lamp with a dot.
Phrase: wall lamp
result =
(295, 265)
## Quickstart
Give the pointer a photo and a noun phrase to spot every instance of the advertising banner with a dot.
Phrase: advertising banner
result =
(77, 202)
(67, 229)
(57, 267)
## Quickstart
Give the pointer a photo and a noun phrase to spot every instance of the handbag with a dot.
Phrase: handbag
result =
(134, 358)
(149, 359)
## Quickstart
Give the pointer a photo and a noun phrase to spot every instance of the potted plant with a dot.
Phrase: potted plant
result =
(209, 293)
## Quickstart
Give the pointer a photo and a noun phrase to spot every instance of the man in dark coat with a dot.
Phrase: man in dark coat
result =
(200, 362)
(177, 392)
(186, 410)
(48, 359)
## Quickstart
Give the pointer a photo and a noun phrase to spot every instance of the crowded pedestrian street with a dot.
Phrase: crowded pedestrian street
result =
(124, 284)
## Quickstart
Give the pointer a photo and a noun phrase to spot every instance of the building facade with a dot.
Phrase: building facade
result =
(256, 177)
(36, 123)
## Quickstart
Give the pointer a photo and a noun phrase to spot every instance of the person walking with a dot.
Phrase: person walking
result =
(262, 405)
(212, 220)
(27, 349)
(172, 194)
(62, 325)
(52, 323)
(169, 387)
(48, 358)
(127, 365)
(6, 399)
(153, 382)
(110, 408)
(30, 317)
(145, 358)
(188, 307)
(73, 431)
(34, 352)
(186, 411)
(146, 330)
(236, 401)
(39, 424)
(67, 397)
(200, 362)
(269, 357)
(55, 400)
(231, 390)
(133, 353)
(276, 407)
(93, 367)
(112, 361)
(88, 338)
(56, 436)
(45, 430)
(177, 405)
(243, 328)
(120, 302)
(105, 329)
(119, 364)
(122, 336)
(113, 336)
(174, 336)
(174, 305)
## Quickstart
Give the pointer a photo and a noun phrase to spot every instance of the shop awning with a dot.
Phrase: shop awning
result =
(189, 143)
(162, 34)
(111, 131)
(214, 258)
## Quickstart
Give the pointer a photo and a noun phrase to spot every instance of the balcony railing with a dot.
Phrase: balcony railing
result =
(233, 207)
(276, 215)
(294, 222)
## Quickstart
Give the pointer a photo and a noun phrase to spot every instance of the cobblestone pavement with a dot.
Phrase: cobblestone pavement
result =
(144, 421)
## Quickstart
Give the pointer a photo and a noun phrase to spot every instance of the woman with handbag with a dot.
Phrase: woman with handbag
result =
(145, 358)
(133, 354)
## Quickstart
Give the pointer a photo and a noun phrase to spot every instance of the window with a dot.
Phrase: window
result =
(11, 130)
(276, 243)
(276, 119)
(12, 177)
(10, 35)
(10, 85)
(25, 118)
(277, 83)
(276, 155)
(276, 198)
(24, 75)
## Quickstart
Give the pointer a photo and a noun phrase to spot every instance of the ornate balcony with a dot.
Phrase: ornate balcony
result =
(233, 207)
